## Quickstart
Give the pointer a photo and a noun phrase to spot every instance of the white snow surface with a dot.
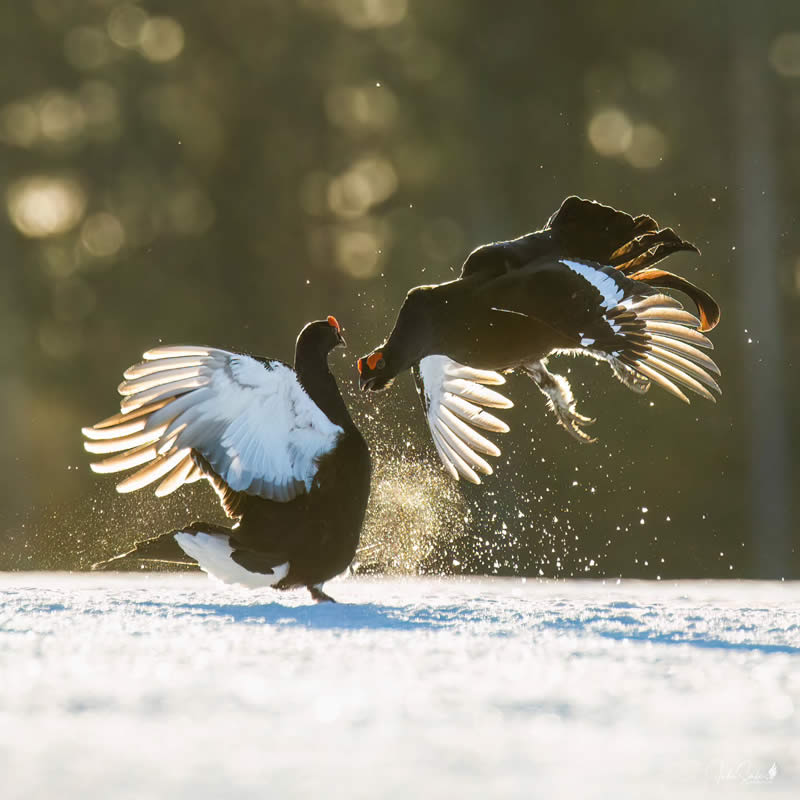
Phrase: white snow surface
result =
(172, 686)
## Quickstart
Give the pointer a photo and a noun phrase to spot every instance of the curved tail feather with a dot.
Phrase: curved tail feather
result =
(707, 306)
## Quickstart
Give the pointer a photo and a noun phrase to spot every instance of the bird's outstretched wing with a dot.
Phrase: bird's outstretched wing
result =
(452, 397)
(194, 412)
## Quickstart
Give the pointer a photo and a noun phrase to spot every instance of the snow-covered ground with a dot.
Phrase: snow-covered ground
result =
(174, 687)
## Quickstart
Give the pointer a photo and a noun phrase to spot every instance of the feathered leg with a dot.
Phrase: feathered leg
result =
(560, 400)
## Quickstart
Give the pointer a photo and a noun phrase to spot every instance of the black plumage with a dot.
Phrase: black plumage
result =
(277, 443)
(585, 284)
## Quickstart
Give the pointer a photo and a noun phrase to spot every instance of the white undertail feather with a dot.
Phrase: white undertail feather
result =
(611, 293)
(253, 423)
(455, 397)
(212, 552)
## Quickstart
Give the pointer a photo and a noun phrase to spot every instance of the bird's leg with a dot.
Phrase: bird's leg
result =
(318, 595)
(560, 399)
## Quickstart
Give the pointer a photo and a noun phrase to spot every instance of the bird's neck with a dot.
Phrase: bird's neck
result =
(427, 331)
(320, 385)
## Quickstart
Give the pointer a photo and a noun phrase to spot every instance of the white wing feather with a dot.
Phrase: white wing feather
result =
(253, 423)
(453, 395)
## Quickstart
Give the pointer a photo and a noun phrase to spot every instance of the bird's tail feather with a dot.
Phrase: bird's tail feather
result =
(162, 549)
(707, 306)
(655, 338)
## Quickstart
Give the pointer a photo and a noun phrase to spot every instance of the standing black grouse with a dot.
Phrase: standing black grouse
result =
(584, 285)
(277, 444)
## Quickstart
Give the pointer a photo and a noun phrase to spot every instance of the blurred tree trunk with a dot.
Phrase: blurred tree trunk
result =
(758, 289)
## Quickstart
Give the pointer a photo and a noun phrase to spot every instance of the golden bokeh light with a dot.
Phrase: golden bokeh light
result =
(357, 253)
(360, 248)
(648, 147)
(349, 195)
(380, 175)
(357, 108)
(610, 132)
(61, 116)
(125, 23)
(45, 205)
(784, 54)
(369, 181)
(102, 235)
(161, 39)
(371, 13)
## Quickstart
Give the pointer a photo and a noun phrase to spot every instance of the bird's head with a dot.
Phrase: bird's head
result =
(375, 372)
(322, 335)
(408, 342)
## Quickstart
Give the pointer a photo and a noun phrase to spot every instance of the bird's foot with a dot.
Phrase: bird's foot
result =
(561, 401)
(573, 422)
(628, 376)
(319, 596)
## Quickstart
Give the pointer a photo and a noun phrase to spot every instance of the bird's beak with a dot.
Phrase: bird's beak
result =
(340, 340)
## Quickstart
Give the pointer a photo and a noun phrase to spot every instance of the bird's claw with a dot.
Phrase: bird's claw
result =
(560, 400)
(573, 423)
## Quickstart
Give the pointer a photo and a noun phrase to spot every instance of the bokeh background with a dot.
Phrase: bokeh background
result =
(220, 173)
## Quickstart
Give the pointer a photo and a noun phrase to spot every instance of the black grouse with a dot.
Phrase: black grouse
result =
(276, 443)
(585, 284)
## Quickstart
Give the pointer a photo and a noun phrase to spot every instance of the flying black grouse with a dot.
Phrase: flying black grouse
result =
(585, 284)
(277, 444)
